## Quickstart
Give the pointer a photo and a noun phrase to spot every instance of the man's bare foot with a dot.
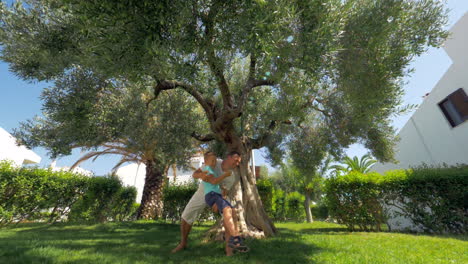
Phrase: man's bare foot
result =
(178, 248)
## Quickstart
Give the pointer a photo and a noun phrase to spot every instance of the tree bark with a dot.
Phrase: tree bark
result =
(253, 220)
(151, 202)
(310, 219)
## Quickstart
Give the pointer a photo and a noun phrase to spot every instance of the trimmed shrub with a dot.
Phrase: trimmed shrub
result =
(45, 195)
(319, 211)
(30, 193)
(434, 199)
(278, 205)
(279, 212)
(105, 199)
(266, 191)
(295, 207)
(353, 200)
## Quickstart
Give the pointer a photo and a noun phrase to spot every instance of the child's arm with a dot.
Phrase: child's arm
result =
(202, 175)
(219, 179)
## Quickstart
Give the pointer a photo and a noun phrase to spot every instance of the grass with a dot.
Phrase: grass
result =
(149, 242)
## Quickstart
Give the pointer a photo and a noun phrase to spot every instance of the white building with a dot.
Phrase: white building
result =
(79, 170)
(437, 133)
(19, 155)
(134, 175)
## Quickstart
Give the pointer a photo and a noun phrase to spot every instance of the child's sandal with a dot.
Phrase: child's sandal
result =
(237, 244)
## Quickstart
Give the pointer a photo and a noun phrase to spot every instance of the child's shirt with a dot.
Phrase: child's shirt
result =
(208, 187)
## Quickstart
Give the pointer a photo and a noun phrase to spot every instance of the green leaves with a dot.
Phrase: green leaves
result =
(25, 192)
(355, 164)
(332, 66)
(83, 109)
(433, 198)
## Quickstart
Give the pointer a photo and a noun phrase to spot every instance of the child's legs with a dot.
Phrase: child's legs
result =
(226, 209)
(214, 208)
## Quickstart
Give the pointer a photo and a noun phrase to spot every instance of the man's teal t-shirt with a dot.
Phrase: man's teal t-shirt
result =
(208, 187)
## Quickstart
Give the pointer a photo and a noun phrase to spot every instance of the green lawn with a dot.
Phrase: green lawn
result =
(143, 242)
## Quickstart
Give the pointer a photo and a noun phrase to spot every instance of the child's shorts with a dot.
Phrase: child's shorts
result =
(214, 197)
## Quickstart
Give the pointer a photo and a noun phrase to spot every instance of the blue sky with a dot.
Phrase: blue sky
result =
(19, 100)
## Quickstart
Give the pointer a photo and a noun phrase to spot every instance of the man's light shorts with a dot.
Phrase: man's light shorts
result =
(195, 206)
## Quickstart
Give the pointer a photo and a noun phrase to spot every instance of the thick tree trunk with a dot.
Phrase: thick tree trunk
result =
(151, 202)
(310, 219)
(253, 221)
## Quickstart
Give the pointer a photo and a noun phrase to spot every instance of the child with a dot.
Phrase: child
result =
(215, 200)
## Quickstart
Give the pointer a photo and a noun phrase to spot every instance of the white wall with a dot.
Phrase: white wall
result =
(18, 154)
(428, 137)
(134, 175)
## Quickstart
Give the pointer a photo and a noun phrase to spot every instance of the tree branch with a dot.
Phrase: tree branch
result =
(260, 141)
(203, 138)
(218, 71)
(310, 104)
(251, 82)
(253, 64)
(169, 85)
(256, 83)
(215, 65)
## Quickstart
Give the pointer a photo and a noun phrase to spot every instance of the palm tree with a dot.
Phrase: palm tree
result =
(362, 165)
(85, 110)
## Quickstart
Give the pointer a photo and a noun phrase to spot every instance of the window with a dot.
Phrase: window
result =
(455, 107)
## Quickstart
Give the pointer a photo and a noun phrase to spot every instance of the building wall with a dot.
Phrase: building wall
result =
(428, 137)
(134, 175)
(18, 154)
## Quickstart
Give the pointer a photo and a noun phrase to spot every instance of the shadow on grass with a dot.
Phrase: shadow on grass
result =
(344, 231)
(139, 242)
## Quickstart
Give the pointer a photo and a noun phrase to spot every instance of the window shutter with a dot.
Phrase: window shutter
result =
(460, 101)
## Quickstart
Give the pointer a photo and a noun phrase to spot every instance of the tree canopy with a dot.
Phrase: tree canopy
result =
(82, 110)
(342, 59)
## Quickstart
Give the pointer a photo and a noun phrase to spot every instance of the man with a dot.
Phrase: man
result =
(197, 203)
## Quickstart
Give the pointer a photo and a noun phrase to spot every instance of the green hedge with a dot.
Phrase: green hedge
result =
(43, 195)
(319, 211)
(281, 206)
(433, 198)
(295, 210)
(266, 191)
(353, 200)
(105, 199)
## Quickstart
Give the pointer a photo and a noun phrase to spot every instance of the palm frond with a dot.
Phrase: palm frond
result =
(123, 161)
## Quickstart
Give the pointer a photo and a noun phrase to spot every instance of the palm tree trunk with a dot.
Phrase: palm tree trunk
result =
(151, 202)
(307, 208)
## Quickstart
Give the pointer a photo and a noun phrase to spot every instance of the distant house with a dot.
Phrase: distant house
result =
(19, 155)
(79, 170)
(437, 133)
(134, 174)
